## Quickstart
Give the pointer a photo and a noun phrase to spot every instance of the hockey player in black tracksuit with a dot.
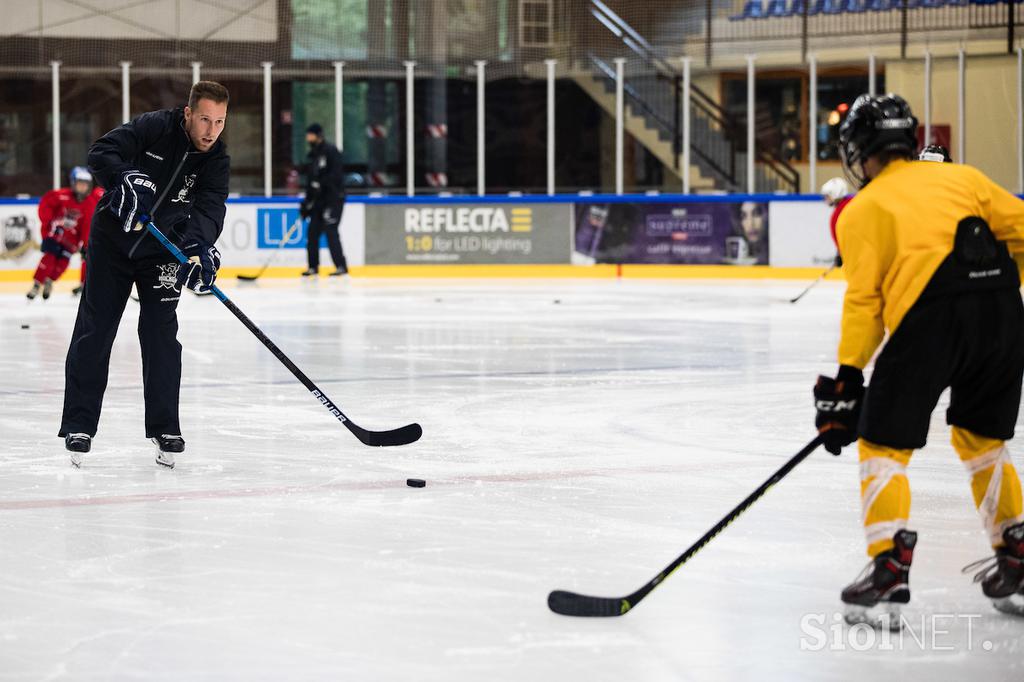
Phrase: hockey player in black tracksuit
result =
(325, 199)
(168, 166)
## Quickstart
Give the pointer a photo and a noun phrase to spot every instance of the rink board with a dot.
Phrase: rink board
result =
(258, 231)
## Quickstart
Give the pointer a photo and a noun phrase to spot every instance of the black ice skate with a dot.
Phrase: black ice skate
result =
(312, 272)
(34, 291)
(77, 444)
(168, 445)
(1002, 576)
(340, 272)
(879, 592)
(47, 288)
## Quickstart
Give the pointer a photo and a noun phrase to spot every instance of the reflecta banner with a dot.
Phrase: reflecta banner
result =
(482, 233)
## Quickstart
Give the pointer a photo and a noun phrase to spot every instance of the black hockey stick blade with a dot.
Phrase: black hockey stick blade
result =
(400, 436)
(573, 604)
(284, 240)
(567, 603)
(813, 284)
(410, 433)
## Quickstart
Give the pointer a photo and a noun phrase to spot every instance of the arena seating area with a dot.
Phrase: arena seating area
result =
(757, 9)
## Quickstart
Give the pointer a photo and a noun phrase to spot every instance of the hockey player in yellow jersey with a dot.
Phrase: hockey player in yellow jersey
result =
(932, 255)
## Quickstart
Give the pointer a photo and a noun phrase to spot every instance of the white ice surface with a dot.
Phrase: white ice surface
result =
(577, 435)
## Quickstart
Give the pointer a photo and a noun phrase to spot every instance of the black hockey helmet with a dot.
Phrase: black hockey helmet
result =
(935, 152)
(882, 123)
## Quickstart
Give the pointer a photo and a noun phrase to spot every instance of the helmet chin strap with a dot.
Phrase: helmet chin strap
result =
(858, 180)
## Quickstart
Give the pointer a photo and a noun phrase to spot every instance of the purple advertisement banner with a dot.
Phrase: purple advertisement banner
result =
(666, 233)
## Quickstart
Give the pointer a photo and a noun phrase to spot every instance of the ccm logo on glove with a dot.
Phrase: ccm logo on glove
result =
(835, 405)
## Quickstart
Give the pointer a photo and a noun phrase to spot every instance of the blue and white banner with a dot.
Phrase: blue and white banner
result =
(253, 230)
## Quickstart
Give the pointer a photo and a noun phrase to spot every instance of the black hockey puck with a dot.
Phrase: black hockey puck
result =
(24, 326)
(557, 301)
(416, 483)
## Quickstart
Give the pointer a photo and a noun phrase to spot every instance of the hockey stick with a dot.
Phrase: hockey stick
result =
(814, 283)
(573, 604)
(284, 240)
(400, 436)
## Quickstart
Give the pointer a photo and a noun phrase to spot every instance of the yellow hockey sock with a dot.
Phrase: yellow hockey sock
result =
(994, 481)
(884, 493)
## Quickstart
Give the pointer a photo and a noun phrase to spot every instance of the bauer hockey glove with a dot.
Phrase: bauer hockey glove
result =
(199, 273)
(838, 402)
(132, 199)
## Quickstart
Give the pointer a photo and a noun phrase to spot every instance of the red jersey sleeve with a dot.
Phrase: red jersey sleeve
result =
(48, 207)
(835, 218)
(88, 210)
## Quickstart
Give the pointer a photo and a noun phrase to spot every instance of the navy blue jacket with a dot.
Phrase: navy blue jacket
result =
(191, 186)
(325, 176)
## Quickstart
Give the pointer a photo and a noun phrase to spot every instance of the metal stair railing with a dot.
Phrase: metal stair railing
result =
(717, 138)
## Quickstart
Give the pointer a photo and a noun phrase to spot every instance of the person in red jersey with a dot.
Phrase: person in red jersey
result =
(64, 215)
(837, 194)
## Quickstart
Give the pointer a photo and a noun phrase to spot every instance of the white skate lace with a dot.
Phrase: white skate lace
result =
(985, 567)
(866, 572)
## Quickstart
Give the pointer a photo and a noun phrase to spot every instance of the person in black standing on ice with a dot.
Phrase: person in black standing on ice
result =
(325, 199)
(168, 166)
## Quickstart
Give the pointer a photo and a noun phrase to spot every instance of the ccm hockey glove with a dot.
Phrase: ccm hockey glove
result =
(199, 273)
(132, 199)
(838, 402)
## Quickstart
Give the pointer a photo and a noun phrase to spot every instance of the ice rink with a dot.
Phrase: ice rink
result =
(577, 435)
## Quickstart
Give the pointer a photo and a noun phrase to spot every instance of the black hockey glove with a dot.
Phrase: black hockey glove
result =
(838, 402)
(199, 273)
(132, 199)
(53, 246)
(838, 262)
(306, 207)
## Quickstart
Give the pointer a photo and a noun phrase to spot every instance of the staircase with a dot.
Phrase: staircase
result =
(645, 129)
(653, 100)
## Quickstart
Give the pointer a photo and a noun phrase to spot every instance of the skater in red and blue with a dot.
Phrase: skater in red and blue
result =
(64, 217)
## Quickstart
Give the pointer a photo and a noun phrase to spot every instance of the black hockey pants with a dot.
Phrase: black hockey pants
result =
(108, 283)
(326, 220)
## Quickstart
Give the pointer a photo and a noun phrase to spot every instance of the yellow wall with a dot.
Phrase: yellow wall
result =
(991, 140)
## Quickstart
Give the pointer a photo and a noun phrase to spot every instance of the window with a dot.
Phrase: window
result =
(329, 30)
(835, 97)
(535, 20)
(777, 111)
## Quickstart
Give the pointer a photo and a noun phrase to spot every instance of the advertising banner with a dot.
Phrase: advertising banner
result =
(698, 233)
(19, 237)
(800, 234)
(468, 233)
(253, 231)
